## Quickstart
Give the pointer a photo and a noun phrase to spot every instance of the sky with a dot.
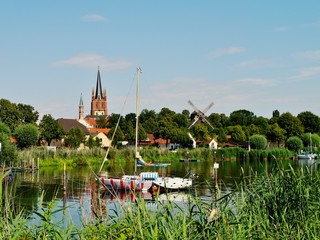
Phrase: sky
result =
(259, 56)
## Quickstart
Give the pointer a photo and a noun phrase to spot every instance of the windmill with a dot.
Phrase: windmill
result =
(198, 116)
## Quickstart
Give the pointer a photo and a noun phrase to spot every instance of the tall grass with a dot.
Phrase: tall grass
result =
(281, 204)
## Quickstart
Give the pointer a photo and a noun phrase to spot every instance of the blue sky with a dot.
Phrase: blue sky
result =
(253, 55)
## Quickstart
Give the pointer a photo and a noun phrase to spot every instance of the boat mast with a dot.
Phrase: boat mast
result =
(137, 155)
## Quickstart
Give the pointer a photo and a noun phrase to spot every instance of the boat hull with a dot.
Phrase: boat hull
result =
(164, 184)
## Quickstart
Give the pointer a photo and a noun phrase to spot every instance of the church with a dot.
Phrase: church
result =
(88, 123)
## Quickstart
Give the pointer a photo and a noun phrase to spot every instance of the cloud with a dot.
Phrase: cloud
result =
(226, 51)
(255, 63)
(94, 60)
(93, 18)
(307, 73)
(310, 54)
(256, 82)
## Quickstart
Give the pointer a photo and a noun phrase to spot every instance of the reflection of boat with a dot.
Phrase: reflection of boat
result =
(142, 163)
(189, 160)
(307, 155)
(145, 180)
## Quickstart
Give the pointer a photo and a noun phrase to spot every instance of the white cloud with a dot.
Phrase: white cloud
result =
(253, 64)
(310, 54)
(94, 60)
(256, 82)
(306, 73)
(93, 18)
(226, 51)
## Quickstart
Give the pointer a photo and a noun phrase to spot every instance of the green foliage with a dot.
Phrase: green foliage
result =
(9, 114)
(241, 117)
(8, 153)
(294, 144)
(292, 125)
(27, 135)
(258, 141)
(276, 134)
(310, 121)
(50, 129)
(74, 137)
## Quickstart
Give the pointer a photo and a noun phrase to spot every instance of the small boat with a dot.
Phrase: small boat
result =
(145, 181)
(307, 155)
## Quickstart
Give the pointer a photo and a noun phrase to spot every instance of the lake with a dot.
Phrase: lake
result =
(81, 199)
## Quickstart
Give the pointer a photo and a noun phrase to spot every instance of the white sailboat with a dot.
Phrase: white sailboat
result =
(145, 181)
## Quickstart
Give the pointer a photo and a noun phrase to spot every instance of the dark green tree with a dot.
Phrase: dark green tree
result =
(242, 117)
(291, 124)
(27, 135)
(50, 129)
(9, 114)
(5, 129)
(310, 121)
(237, 134)
(222, 137)
(276, 134)
(74, 137)
(28, 113)
(262, 124)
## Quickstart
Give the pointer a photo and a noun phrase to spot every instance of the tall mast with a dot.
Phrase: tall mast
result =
(137, 117)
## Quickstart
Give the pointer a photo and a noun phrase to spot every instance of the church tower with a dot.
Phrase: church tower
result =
(81, 108)
(99, 99)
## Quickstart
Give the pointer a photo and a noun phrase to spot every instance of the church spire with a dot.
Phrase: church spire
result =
(81, 108)
(98, 94)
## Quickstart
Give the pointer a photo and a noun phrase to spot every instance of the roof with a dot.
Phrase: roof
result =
(98, 94)
(67, 124)
(102, 130)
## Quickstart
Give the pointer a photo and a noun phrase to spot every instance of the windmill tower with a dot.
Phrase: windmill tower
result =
(198, 116)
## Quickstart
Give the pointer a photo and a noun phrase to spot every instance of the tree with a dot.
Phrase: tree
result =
(118, 135)
(310, 121)
(27, 135)
(262, 124)
(5, 129)
(222, 137)
(242, 117)
(181, 119)
(200, 132)
(292, 125)
(294, 144)
(310, 140)
(28, 113)
(8, 152)
(237, 134)
(258, 141)
(215, 120)
(102, 122)
(9, 114)
(74, 137)
(50, 129)
(276, 134)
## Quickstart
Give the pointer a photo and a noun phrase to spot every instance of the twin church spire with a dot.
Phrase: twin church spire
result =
(99, 105)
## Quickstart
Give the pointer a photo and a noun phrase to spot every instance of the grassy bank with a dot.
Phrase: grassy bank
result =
(283, 204)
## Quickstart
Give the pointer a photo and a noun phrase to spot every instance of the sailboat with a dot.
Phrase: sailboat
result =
(145, 181)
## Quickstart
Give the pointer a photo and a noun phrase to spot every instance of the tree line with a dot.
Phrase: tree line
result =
(241, 127)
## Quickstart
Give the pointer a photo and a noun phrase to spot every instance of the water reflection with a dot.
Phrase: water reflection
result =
(82, 199)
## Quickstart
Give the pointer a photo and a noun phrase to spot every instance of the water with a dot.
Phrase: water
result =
(81, 199)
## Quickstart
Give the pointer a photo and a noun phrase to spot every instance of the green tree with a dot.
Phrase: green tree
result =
(237, 134)
(200, 132)
(294, 144)
(276, 134)
(222, 137)
(8, 153)
(102, 122)
(9, 114)
(262, 124)
(291, 124)
(28, 113)
(242, 117)
(310, 121)
(74, 137)
(118, 135)
(310, 140)
(258, 141)
(181, 120)
(50, 129)
(27, 135)
(5, 129)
